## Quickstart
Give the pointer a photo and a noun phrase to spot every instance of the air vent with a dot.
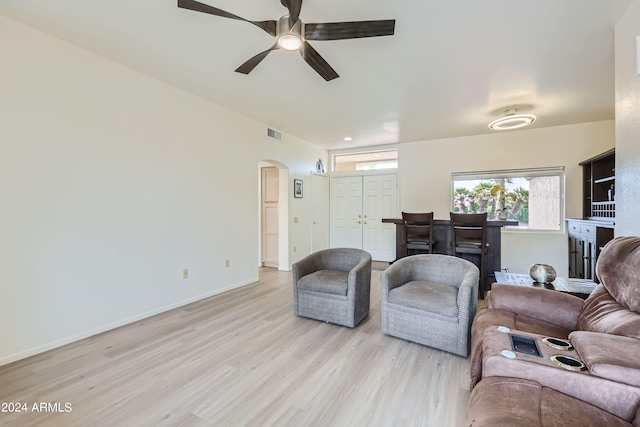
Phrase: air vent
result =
(274, 134)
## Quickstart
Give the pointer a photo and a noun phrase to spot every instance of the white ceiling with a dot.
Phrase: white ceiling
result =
(451, 67)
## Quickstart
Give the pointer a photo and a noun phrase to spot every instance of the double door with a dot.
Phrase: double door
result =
(358, 204)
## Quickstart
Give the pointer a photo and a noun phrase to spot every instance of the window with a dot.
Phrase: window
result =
(533, 197)
(375, 160)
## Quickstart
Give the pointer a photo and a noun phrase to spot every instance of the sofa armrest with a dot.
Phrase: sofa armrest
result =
(612, 357)
(543, 304)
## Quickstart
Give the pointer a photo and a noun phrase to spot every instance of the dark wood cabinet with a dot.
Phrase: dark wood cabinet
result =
(599, 187)
(588, 235)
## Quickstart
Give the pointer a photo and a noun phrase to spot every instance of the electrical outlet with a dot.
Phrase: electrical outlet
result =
(185, 273)
(227, 263)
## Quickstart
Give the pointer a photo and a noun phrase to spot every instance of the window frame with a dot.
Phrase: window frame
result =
(550, 171)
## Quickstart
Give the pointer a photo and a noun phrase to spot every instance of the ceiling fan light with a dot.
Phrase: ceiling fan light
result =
(512, 121)
(289, 42)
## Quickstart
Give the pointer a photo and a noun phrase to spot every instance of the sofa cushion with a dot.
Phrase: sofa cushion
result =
(427, 296)
(609, 356)
(602, 313)
(502, 401)
(618, 269)
(325, 281)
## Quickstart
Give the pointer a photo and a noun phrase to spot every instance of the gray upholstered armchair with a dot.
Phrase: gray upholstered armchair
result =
(431, 300)
(333, 285)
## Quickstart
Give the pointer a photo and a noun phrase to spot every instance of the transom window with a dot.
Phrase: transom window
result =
(374, 160)
(533, 197)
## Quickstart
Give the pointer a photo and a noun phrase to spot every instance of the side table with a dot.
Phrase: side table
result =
(578, 287)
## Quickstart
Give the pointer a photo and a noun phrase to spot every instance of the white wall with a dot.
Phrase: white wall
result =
(628, 123)
(425, 169)
(111, 183)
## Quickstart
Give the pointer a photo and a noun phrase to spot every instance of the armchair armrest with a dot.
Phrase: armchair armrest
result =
(360, 275)
(395, 275)
(466, 294)
(362, 267)
(542, 304)
(305, 266)
(607, 356)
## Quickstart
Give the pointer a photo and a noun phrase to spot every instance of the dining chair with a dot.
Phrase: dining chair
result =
(418, 231)
(469, 240)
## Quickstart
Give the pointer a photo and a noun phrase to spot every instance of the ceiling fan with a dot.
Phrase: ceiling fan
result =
(292, 34)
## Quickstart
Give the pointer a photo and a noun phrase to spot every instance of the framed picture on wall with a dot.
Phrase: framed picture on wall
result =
(297, 188)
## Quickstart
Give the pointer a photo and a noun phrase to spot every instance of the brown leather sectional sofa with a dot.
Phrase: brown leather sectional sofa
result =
(599, 342)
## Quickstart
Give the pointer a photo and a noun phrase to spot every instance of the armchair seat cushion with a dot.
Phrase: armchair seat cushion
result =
(325, 281)
(427, 296)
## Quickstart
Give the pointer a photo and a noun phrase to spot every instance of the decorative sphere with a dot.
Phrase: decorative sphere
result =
(542, 273)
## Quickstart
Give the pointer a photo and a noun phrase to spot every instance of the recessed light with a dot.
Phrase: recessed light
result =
(348, 138)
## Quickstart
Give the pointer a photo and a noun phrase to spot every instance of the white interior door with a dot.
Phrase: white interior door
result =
(380, 200)
(358, 204)
(346, 212)
(270, 208)
(320, 212)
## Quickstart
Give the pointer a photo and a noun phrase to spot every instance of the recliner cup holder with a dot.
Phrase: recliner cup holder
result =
(557, 343)
(569, 363)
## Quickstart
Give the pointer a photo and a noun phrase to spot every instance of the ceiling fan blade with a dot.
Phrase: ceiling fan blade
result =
(317, 62)
(249, 65)
(349, 30)
(294, 11)
(268, 26)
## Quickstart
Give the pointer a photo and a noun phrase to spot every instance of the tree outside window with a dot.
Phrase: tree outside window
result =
(533, 201)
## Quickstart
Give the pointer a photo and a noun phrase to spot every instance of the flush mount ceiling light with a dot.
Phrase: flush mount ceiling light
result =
(511, 120)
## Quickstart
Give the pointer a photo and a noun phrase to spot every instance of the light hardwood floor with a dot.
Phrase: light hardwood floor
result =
(241, 359)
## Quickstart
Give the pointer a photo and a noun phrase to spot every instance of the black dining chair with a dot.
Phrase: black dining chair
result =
(469, 237)
(418, 231)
